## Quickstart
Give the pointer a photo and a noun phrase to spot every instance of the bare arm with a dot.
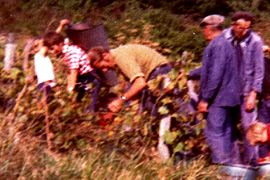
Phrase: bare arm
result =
(61, 26)
(72, 79)
(136, 87)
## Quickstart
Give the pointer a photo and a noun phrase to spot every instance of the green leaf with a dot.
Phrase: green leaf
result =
(163, 110)
(179, 147)
(166, 100)
(169, 137)
(14, 72)
(198, 130)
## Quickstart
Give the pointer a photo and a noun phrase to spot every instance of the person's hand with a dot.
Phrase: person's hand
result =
(70, 89)
(203, 107)
(116, 105)
(257, 133)
(266, 48)
(250, 101)
(64, 22)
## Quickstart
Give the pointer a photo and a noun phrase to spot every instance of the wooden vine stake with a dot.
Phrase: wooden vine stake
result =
(47, 122)
(26, 53)
(10, 52)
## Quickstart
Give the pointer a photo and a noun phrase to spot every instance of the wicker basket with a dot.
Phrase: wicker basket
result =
(88, 36)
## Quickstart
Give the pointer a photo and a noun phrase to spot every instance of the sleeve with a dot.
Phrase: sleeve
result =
(73, 58)
(195, 74)
(129, 66)
(259, 66)
(214, 59)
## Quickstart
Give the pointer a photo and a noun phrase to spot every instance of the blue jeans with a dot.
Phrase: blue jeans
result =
(264, 116)
(221, 134)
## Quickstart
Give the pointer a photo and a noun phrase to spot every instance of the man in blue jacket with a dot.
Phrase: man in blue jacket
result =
(220, 93)
(250, 62)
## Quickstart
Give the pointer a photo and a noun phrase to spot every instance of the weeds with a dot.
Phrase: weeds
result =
(78, 145)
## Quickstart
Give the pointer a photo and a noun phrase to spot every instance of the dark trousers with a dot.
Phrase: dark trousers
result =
(46, 89)
(82, 88)
(221, 134)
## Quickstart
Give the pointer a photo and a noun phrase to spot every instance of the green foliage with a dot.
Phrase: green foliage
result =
(173, 25)
(71, 129)
(203, 7)
(81, 145)
(174, 33)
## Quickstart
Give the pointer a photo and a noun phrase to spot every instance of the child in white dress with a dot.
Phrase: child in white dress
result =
(44, 71)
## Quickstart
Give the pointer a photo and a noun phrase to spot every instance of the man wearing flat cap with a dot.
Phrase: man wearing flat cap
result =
(214, 20)
(220, 92)
(250, 65)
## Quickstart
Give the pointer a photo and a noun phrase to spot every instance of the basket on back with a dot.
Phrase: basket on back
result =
(88, 36)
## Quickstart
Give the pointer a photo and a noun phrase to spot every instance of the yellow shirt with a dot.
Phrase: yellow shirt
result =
(137, 60)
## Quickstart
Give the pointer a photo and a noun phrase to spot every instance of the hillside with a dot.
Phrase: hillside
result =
(60, 140)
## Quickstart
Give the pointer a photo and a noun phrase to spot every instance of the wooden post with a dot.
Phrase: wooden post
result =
(26, 53)
(10, 52)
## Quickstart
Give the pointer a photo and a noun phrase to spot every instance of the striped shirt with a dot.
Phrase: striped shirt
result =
(76, 58)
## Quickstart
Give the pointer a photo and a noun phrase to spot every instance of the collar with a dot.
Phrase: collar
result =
(228, 33)
(65, 48)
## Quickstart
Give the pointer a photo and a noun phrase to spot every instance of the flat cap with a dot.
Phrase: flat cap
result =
(214, 19)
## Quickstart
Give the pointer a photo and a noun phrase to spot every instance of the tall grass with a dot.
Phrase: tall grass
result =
(27, 159)
(80, 149)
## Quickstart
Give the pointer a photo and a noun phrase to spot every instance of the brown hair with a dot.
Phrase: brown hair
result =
(52, 38)
(96, 54)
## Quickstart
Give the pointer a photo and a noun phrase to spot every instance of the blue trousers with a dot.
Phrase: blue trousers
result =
(221, 134)
(264, 116)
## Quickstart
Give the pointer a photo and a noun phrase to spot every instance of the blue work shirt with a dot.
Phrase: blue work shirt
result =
(219, 75)
(253, 61)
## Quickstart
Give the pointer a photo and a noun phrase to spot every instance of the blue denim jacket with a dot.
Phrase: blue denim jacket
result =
(219, 76)
(253, 70)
